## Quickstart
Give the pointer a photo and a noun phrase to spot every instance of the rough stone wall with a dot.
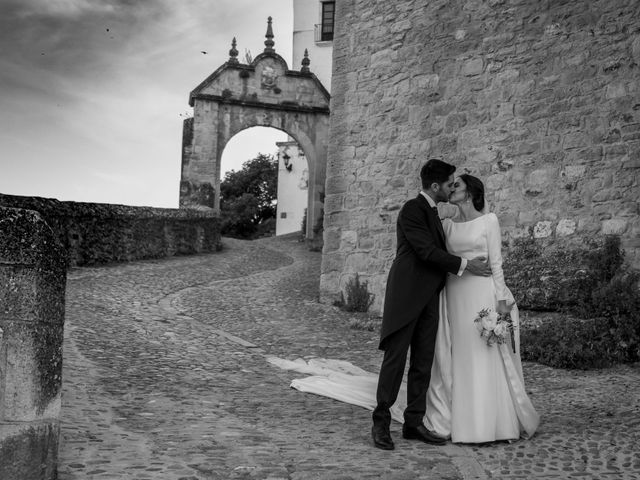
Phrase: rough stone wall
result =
(32, 288)
(94, 233)
(540, 99)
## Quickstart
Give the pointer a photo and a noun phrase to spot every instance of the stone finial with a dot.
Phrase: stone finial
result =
(269, 43)
(233, 53)
(305, 62)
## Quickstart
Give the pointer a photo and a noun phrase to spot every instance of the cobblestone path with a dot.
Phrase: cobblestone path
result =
(166, 377)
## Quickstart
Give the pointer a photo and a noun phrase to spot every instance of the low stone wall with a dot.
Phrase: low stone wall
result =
(94, 233)
(32, 289)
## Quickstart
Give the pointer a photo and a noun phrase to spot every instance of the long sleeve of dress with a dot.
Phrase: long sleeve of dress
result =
(494, 243)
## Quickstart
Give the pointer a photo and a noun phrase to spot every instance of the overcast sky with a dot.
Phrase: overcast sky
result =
(93, 92)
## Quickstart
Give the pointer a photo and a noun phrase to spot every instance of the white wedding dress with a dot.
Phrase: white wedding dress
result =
(476, 393)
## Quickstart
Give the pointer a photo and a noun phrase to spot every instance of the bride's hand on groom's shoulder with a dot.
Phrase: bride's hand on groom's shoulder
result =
(479, 266)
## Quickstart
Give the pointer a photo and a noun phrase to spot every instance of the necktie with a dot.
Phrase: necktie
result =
(438, 222)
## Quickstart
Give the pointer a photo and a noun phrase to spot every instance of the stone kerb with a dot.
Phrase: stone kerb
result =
(32, 289)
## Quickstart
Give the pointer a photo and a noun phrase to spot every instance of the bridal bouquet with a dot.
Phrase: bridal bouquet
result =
(495, 327)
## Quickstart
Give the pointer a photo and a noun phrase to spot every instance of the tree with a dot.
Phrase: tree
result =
(248, 196)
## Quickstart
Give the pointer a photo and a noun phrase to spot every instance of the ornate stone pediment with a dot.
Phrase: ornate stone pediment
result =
(266, 81)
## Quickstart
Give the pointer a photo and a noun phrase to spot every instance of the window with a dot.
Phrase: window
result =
(283, 214)
(326, 25)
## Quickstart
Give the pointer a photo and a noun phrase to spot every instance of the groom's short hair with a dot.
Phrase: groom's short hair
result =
(435, 171)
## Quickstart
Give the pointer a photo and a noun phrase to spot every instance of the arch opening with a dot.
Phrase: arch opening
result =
(284, 196)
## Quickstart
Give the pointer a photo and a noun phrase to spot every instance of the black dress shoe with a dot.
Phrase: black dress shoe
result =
(422, 433)
(382, 438)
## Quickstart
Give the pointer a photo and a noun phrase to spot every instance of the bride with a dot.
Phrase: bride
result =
(476, 393)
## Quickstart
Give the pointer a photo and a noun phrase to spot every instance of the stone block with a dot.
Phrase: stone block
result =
(471, 139)
(588, 226)
(615, 152)
(574, 140)
(573, 172)
(329, 287)
(565, 227)
(542, 229)
(527, 148)
(350, 201)
(336, 220)
(508, 220)
(385, 241)
(368, 201)
(473, 67)
(333, 203)
(363, 262)
(538, 181)
(600, 196)
(348, 239)
(617, 89)
(631, 163)
(33, 370)
(331, 239)
(614, 226)
(337, 184)
(365, 241)
(29, 451)
(332, 262)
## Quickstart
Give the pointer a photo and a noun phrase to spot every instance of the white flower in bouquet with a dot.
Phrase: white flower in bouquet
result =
(490, 321)
(494, 327)
(501, 329)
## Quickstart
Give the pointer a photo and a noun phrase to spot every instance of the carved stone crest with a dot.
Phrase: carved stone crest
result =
(269, 78)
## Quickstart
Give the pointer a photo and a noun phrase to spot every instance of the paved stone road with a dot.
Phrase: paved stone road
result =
(166, 377)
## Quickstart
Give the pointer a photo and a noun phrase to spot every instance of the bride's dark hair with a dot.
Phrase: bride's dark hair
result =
(475, 188)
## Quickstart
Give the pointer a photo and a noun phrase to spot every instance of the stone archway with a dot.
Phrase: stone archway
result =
(239, 96)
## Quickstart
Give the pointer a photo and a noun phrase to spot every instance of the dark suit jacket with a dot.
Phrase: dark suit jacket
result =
(420, 268)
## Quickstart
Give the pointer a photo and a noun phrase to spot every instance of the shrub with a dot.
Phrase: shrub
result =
(359, 299)
(607, 287)
(603, 309)
(583, 344)
(541, 276)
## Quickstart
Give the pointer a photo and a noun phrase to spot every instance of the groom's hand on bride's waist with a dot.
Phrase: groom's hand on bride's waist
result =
(479, 266)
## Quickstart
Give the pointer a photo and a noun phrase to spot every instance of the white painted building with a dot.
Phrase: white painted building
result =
(293, 187)
(313, 22)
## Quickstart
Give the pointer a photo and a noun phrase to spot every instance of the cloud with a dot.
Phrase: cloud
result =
(62, 8)
(99, 85)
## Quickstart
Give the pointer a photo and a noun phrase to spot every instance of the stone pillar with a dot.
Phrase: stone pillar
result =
(32, 288)
(200, 178)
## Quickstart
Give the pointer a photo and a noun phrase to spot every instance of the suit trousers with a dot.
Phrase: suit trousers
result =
(420, 335)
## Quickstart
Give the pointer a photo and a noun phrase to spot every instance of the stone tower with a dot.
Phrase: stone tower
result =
(540, 99)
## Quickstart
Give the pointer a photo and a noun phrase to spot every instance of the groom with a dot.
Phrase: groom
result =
(411, 306)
